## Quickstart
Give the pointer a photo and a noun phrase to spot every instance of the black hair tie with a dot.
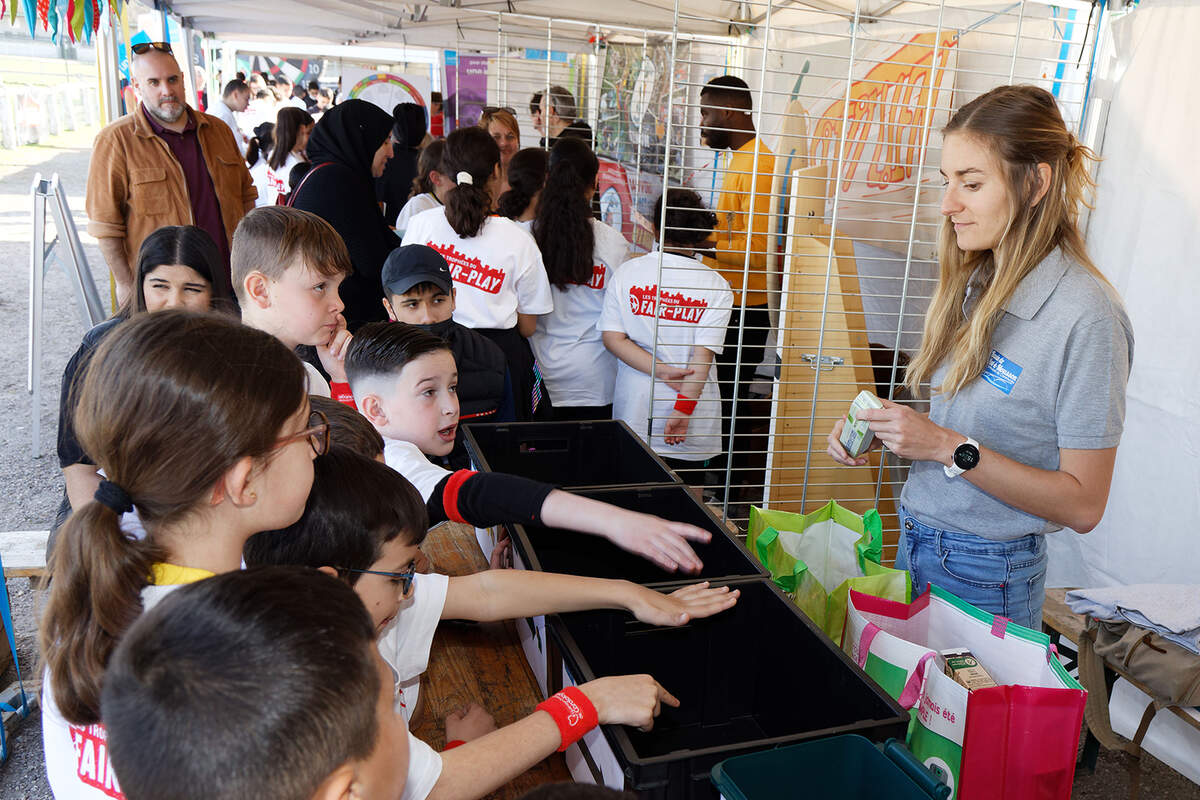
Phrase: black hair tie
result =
(113, 496)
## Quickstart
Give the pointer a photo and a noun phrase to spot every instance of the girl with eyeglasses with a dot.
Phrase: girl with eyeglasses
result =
(204, 426)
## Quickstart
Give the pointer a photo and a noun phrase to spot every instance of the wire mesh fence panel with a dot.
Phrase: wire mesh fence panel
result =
(822, 166)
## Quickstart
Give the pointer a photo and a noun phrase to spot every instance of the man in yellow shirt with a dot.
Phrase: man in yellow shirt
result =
(743, 220)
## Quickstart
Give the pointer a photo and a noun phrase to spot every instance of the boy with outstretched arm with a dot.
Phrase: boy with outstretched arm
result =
(363, 522)
(406, 380)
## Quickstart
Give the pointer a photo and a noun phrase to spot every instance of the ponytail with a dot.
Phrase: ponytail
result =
(470, 157)
(563, 226)
(99, 573)
(169, 403)
(261, 144)
(526, 177)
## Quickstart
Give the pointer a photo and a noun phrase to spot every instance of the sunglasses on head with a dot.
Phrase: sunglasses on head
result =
(494, 109)
(141, 48)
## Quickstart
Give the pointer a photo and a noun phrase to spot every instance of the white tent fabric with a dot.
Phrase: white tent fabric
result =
(1145, 236)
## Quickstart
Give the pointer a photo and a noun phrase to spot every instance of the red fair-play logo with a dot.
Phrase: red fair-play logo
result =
(597, 281)
(468, 270)
(673, 306)
(92, 766)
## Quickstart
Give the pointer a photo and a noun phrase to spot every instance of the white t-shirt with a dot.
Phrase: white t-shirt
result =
(424, 769)
(417, 204)
(576, 367)
(277, 179)
(316, 381)
(497, 273)
(407, 459)
(406, 642)
(77, 762)
(258, 174)
(693, 311)
(225, 114)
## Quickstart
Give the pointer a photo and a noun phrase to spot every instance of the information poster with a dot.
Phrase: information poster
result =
(385, 89)
(466, 89)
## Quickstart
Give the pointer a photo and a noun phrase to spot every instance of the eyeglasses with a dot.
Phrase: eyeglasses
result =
(317, 434)
(405, 578)
(494, 109)
(141, 48)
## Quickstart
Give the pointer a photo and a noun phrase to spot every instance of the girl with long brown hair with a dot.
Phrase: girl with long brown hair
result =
(202, 426)
(1027, 350)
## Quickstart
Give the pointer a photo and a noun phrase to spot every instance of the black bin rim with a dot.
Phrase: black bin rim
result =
(618, 737)
(475, 450)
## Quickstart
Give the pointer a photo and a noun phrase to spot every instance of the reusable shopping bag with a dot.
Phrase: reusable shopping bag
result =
(817, 558)
(1017, 739)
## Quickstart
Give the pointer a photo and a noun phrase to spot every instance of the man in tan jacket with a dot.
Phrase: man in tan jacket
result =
(163, 164)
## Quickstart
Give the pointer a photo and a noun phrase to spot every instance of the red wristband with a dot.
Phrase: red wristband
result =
(685, 404)
(572, 712)
(453, 744)
(342, 394)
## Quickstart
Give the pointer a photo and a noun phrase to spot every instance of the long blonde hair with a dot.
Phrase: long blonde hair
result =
(1022, 127)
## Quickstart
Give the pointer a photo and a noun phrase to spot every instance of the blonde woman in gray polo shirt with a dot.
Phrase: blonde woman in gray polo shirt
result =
(1027, 349)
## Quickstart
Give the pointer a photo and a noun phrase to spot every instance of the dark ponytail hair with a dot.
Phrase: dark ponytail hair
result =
(469, 150)
(261, 144)
(288, 123)
(563, 227)
(430, 160)
(190, 246)
(526, 177)
(169, 403)
(689, 222)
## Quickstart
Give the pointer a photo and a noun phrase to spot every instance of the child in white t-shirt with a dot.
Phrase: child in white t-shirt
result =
(429, 187)
(500, 282)
(692, 304)
(292, 128)
(312, 717)
(405, 380)
(582, 256)
(364, 523)
(204, 425)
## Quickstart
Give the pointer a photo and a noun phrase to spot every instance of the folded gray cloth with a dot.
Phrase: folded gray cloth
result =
(1171, 610)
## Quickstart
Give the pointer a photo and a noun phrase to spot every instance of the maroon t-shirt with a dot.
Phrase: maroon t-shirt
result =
(206, 210)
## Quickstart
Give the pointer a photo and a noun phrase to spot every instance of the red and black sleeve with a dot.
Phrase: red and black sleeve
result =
(487, 498)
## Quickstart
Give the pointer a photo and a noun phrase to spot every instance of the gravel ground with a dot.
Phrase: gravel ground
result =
(32, 485)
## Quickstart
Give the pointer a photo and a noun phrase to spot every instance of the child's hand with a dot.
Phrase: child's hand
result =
(501, 555)
(471, 722)
(675, 431)
(671, 376)
(628, 700)
(333, 352)
(659, 540)
(683, 605)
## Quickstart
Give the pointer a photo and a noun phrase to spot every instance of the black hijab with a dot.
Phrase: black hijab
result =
(350, 133)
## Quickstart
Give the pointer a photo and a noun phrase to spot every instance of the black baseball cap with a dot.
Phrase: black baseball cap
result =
(411, 264)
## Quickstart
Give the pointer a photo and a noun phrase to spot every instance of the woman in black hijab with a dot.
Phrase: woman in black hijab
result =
(348, 149)
(393, 188)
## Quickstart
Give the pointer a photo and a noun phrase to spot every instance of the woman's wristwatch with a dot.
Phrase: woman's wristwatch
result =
(966, 456)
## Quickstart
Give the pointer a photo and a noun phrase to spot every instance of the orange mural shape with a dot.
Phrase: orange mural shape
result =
(888, 108)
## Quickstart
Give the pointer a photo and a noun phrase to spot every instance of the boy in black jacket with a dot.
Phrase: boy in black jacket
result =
(418, 290)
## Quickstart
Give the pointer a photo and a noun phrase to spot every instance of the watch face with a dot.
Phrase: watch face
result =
(966, 456)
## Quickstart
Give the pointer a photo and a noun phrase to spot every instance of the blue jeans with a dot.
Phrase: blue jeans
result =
(1004, 578)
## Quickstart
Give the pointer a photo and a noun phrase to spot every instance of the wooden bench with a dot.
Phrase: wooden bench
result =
(481, 662)
(1066, 630)
(24, 553)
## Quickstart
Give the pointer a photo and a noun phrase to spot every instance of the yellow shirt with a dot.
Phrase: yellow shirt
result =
(733, 214)
(163, 574)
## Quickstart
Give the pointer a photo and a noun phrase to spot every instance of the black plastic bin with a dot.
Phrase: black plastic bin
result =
(571, 455)
(574, 553)
(758, 676)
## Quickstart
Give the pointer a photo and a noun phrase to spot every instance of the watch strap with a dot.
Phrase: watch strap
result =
(953, 470)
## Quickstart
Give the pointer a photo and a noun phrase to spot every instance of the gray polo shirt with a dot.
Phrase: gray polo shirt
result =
(1055, 379)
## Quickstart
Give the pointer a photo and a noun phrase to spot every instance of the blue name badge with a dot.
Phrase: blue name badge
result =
(1001, 372)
